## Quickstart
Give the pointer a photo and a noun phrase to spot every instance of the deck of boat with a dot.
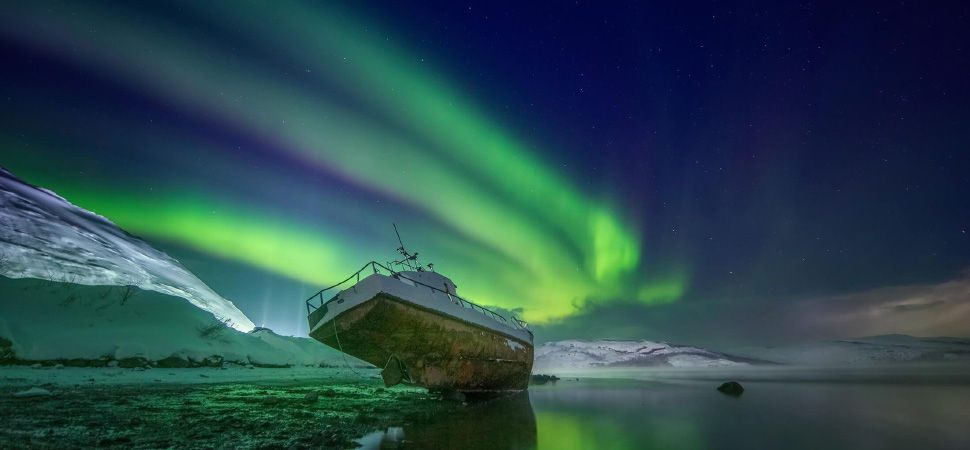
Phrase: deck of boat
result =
(424, 337)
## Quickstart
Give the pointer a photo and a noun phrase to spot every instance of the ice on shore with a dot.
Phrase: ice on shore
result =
(20, 377)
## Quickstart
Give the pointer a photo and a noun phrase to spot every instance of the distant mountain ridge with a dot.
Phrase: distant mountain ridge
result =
(569, 355)
(44, 236)
(579, 355)
(882, 349)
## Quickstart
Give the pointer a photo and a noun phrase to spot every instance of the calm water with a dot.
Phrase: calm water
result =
(902, 408)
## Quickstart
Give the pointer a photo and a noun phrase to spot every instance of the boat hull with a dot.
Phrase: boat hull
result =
(423, 347)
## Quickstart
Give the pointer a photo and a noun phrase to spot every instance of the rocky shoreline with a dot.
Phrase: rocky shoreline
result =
(329, 410)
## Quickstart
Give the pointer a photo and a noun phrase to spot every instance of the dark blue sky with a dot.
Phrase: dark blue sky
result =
(770, 153)
(781, 148)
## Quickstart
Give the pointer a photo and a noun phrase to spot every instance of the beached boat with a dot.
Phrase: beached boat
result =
(413, 325)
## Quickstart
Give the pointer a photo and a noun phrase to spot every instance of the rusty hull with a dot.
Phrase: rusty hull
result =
(423, 347)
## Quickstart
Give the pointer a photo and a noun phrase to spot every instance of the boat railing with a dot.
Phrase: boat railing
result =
(377, 267)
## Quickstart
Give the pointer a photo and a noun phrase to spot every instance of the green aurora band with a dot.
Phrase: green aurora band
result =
(479, 201)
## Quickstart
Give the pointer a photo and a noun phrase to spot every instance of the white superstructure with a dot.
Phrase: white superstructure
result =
(416, 288)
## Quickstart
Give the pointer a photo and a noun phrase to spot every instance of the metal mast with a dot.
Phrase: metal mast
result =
(407, 257)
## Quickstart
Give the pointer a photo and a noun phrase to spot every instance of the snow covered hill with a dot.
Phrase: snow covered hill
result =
(71, 324)
(77, 290)
(573, 355)
(886, 349)
(44, 236)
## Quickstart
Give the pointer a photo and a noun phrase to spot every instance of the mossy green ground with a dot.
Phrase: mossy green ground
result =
(270, 414)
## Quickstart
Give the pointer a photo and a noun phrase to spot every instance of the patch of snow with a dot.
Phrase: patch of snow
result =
(33, 392)
(44, 236)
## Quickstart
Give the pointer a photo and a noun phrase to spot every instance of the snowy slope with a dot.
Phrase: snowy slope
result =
(44, 236)
(306, 351)
(53, 321)
(892, 348)
(572, 355)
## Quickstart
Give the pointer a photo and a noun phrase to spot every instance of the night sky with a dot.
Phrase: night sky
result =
(702, 173)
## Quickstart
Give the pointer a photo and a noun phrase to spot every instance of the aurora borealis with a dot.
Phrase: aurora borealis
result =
(489, 203)
(568, 169)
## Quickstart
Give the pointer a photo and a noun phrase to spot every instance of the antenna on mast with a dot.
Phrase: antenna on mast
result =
(407, 256)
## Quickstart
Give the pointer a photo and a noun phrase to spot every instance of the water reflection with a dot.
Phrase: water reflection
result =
(613, 414)
(923, 407)
(501, 423)
(792, 409)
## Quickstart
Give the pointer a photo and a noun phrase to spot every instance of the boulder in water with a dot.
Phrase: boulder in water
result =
(732, 388)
